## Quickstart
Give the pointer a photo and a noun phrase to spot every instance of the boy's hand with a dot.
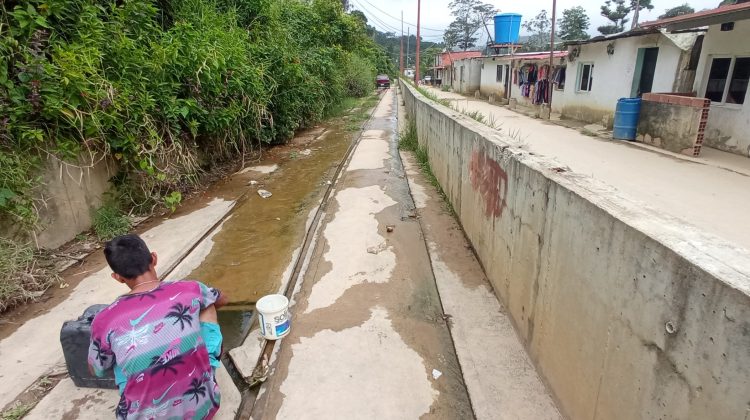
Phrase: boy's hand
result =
(222, 300)
(209, 315)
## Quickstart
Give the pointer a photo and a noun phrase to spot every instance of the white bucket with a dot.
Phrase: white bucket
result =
(273, 316)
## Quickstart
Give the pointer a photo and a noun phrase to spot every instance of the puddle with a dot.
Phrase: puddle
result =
(255, 245)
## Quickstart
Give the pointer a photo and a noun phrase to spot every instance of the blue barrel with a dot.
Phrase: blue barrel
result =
(626, 118)
(507, 27)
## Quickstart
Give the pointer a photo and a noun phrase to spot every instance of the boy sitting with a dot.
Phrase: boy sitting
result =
(158, 338)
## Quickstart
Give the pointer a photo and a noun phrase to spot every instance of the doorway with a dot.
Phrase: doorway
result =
(645, 69)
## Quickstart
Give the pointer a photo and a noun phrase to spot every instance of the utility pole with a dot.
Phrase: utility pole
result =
(551, 56)
(416, 73)
(408, 38)
(401, 56)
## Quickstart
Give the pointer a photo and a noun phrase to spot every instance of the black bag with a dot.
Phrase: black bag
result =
(75, 337)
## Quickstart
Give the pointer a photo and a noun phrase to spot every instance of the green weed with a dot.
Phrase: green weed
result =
(476, 115)
(109, 221)
(17, 412)
(408, 141)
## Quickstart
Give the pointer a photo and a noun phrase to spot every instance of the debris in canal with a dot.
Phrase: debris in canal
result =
(264, 193)
(377, 249)
(436, 374)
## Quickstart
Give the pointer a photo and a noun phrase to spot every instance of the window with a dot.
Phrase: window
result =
(738, 85)
(499, 74)
(717, 79)
(585, 76)
(736, 70)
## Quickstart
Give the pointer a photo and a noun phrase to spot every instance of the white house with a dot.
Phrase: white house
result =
(494, 76)
(722, 72)
(464, 75)
(444, 64)
(606, 68)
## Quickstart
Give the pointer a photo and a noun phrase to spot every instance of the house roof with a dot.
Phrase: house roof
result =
(721, 14)
(449, 57)
(626, 34)
(538, 55)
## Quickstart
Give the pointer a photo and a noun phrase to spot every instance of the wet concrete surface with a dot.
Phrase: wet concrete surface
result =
(256, 244)
(368, 327)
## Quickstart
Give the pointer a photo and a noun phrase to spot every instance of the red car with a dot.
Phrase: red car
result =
(382, 81)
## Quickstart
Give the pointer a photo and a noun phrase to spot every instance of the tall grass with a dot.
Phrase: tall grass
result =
(21, 279)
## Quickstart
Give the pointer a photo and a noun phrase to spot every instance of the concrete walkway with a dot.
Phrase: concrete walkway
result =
(710, 193)
(370, 339)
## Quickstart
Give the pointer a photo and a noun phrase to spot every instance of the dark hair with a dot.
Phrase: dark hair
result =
(127, 255)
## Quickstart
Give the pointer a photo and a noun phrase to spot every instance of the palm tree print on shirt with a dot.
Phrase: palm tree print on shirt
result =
(165, 366)
(101, 356)
(140, 296)
(197, 390)
(181, 314)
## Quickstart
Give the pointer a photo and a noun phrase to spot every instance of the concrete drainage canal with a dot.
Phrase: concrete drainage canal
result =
(260, 246)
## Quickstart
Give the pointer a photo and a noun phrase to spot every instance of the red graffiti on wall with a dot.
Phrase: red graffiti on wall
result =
(491, 181)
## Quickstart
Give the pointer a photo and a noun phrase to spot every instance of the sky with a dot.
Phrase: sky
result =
(435, 17)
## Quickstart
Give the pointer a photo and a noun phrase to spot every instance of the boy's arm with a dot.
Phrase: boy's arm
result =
(209, 314)
(212, 296)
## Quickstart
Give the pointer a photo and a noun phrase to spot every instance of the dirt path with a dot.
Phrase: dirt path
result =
(368, 328)
(685, 188)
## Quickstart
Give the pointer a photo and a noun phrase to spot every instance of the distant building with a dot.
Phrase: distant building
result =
(443, 68)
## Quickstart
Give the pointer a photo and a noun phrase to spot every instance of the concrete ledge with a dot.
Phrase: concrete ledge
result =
(628, 313)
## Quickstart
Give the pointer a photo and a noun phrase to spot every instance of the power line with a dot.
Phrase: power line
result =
(391, 16)
(374, 18)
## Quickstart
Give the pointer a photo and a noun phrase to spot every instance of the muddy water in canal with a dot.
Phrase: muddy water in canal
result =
(257, 243)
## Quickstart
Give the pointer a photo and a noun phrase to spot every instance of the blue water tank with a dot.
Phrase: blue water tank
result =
(507, 27)
(626, 118)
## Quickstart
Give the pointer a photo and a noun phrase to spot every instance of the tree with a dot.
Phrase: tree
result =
(359, 15)
(685, 9)
(427, 60)
(540, 28)
(574, 24)
(617, 11)
(637, 6)
(470, 15)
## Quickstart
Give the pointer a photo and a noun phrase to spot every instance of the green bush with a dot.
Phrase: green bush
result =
(155, 85)
(359, 76)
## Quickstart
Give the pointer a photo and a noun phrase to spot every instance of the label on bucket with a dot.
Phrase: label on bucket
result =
(275, 326)
(282, 328)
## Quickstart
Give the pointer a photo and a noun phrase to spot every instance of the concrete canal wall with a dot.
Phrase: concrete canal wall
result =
(627, 313)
